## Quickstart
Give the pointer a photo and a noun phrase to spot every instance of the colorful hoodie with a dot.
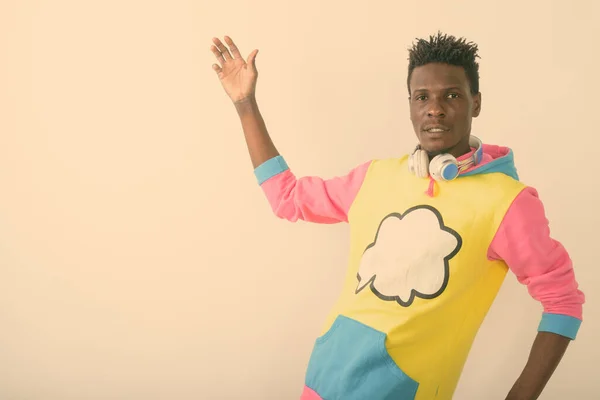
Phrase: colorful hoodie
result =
(426, 262)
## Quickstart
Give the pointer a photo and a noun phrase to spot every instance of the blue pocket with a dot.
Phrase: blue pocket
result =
(350, 362)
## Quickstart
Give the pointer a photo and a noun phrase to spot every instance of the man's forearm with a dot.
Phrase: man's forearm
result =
(546, 353)
(260, 145)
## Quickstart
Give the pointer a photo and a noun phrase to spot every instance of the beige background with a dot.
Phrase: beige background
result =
(139, 258)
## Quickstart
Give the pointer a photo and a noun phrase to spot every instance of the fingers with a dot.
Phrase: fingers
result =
(252, 58)
(224, 51)
(223, 55)
(233, 47)
(217, 54)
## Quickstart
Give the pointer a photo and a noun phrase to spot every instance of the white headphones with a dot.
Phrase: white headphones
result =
(443, 167)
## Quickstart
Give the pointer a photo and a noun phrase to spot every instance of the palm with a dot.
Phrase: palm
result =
(237, 76)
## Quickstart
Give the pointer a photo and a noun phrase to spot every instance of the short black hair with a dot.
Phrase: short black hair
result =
(447, 49)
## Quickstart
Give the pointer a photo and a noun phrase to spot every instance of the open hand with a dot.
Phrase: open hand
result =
(237, 75)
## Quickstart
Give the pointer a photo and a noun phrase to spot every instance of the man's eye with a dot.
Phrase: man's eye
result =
(421, 98)
(453, 95)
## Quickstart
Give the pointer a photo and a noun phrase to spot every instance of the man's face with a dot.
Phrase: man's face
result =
(441, 108)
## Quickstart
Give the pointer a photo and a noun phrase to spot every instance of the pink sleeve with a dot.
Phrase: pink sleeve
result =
(309, 198)
(541, 263)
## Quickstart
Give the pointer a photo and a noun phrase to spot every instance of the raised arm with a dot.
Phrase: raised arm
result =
(238, 77)
(311, 199)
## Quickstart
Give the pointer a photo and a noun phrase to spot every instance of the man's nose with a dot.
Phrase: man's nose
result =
(435, 109)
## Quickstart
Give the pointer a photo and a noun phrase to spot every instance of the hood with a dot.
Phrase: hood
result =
(494, 159)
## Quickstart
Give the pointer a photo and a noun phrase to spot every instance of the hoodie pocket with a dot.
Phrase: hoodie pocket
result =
(350, 362)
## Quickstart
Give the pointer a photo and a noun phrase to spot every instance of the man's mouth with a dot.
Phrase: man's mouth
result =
(436, 128)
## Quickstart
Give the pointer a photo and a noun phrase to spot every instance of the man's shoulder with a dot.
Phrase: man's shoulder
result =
(389, 161)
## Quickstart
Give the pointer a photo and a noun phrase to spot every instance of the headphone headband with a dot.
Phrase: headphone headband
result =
(444, 166)
(475, 158)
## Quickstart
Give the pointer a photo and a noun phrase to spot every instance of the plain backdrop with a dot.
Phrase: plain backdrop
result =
(139, 258)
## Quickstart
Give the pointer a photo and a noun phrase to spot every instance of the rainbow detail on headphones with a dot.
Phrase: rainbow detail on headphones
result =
(443, 167)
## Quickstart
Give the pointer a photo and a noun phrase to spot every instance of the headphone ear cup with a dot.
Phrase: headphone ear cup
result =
(443, 167)
(418, 163)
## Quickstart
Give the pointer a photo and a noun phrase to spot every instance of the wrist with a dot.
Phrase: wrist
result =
(246, 105)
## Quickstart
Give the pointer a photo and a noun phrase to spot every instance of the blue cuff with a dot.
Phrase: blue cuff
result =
(270, 168)
(563, 325)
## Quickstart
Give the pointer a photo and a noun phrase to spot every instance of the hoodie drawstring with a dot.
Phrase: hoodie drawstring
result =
(430, 189)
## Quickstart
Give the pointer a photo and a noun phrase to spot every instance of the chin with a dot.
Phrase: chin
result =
(436, 143)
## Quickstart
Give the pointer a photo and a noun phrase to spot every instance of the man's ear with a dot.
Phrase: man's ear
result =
(476, 105)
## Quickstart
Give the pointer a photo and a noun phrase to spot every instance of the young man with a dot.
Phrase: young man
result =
(433, 234)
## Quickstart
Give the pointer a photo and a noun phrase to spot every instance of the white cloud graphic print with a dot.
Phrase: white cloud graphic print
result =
(409, 256)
